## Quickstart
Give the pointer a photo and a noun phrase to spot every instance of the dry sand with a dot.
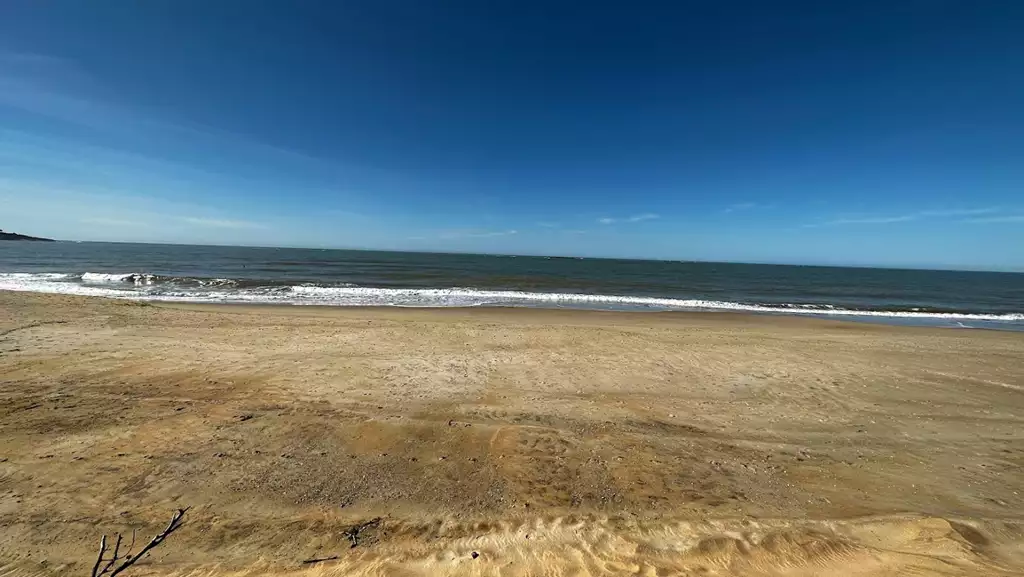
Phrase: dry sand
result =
(547, 442)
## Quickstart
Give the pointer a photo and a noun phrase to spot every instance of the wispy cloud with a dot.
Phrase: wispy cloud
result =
(640, 217)
(454, 234)
(740, 206)
(634, 218)
(998, 219)
(118, 222)
(548, 224)
(959, 212)
(867, 220)
(90, 212)
(910, 217)
(62, 90)
(496, 233)
(221, 223)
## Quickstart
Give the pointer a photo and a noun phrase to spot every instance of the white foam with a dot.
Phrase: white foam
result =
(470, 297)
(131, 288)
(136, 278)
(51, 283)
(37, 275)
(217, 282)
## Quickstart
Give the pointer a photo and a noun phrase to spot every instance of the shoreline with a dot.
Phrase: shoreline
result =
(632, 315)
(896, 319)
(498, 313)
(541, 315)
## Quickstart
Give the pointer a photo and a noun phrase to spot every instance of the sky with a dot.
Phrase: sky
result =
(851, 132)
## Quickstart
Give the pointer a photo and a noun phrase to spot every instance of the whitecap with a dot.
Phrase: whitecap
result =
(137, 286)
(470, 297)
(136, 278)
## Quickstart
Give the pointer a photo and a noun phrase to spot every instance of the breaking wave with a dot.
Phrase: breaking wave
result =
(473, 297)
(144, 279)
(144, 286)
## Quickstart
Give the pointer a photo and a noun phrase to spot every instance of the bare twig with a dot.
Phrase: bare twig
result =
(118, 563)
(99, 558)
(132, 546)
(114, 557)
(352, 533)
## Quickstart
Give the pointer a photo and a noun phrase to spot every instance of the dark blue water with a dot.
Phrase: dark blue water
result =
(341, 277)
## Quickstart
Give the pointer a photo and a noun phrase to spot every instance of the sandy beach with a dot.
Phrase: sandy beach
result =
(508, 442)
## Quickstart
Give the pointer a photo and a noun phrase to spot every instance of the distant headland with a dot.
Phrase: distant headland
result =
(15, 236)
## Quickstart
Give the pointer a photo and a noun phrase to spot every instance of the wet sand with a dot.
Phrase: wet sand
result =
(545, 442)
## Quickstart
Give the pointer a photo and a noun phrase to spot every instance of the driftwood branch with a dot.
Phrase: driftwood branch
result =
(114, 557)
(118, 562)
(99, 558)
(352, 533)
(132, 546)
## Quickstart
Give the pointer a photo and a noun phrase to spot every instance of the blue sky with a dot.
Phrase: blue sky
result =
(870, 133)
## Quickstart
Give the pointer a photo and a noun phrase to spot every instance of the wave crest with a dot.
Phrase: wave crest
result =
(473, 297)
(144, 286)
(136, 278)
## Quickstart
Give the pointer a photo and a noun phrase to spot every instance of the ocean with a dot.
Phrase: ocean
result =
(219, 274)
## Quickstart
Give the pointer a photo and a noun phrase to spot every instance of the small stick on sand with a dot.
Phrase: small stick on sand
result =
(320, 560)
